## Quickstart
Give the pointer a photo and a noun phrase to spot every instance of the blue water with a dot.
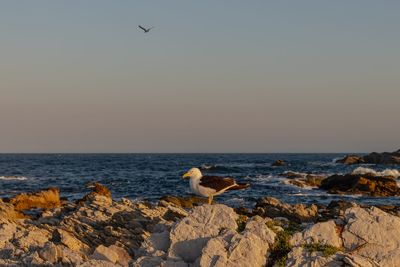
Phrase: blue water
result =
(150, 176)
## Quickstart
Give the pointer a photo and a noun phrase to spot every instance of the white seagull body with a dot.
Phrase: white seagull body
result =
(210, 186)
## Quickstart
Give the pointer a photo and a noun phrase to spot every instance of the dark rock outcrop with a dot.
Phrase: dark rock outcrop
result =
(373, 158)
(279, 163)
(351, 159)
(365, 184)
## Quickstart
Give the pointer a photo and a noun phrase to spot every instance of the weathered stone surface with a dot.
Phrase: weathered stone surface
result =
(272, 207)
(192, 233)
(300, 256)
(373, 234)
(365, 184)
(325, 233)
(7, 212)
(46, 199)
(184, 202)
(248, 248)
(67, 239)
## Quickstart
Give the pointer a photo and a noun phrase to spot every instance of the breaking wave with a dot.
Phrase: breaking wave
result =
(12, 177)
(388, 172)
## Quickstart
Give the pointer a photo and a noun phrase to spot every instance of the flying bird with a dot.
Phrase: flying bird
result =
(210, 186)
(144, 29)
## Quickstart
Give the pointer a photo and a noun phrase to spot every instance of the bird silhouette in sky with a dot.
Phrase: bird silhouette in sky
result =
(144, 29)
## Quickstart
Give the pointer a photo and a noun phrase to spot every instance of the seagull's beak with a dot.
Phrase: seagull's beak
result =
(186, 175)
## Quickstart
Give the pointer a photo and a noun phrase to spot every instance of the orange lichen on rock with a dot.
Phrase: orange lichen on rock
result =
(46, 199)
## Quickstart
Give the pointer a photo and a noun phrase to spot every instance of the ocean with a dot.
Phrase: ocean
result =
(151, 176)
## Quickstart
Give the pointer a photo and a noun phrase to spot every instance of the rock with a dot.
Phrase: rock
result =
(373, 158)
(32, 238)
(278, 163)
(300, 256)
(7, 212)
(350, 160)
(67, 239)
(47, 199)
(309, 180)
(373, 234)
(383, 158)
(191, 234)
(7, 231)
(365, 184)
(97, 190)
(112, 254)
(183, 202)
(248, 248)
(50, 253)
(105, 254)
(325, 233)
(272, 207)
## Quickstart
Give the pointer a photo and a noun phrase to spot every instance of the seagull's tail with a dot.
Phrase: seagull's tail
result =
(239, 186)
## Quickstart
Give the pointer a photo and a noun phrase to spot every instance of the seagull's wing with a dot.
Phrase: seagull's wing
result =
(142, 28)
(150, 28)
(217, 183)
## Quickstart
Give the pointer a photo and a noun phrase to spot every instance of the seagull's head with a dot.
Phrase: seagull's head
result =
(194, 173)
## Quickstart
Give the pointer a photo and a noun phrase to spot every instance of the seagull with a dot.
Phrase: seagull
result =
(144, 29)
(210, 186)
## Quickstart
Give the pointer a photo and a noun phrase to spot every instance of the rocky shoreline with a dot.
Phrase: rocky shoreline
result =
(40, 229)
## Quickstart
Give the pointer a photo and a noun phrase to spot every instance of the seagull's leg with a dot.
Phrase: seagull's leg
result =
(210, 199)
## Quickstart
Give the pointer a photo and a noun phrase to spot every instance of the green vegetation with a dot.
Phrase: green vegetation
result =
(241, 222)
(326, 250)
(280, 249)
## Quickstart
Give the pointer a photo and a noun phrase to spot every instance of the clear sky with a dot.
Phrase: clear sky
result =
(212, 76)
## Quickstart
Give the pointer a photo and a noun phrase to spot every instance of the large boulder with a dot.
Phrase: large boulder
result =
(365, 184)
(192, 233)
(373, 234)
(46, 199)
(272, 207)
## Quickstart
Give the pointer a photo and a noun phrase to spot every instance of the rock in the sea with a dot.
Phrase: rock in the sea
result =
(350, 160)
(373, 158)
(46, 199)
(365, 184)
(373, 234)
(192, 233)
(279, 163)
(272, 207)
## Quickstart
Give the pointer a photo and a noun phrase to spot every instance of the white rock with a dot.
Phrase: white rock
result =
(299, 257)
(324, 233)
(373, 234)
(192, 233)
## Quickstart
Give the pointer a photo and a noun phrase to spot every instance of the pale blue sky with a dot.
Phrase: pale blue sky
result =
(213, 76)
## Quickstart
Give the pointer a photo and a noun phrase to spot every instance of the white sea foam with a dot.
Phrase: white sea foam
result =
(388, 172)
(12, 177)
